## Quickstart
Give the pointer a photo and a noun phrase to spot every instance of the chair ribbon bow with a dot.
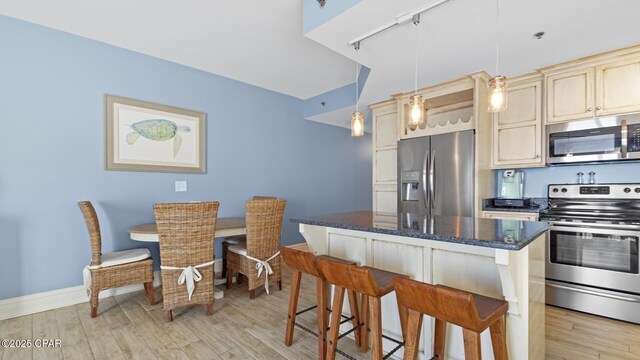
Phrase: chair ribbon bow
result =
(264, 265)
(190, 275)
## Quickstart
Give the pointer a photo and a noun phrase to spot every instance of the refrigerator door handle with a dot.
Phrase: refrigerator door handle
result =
(424, 178)
(432, 179)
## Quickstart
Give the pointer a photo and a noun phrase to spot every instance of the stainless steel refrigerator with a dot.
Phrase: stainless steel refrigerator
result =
(436, 173)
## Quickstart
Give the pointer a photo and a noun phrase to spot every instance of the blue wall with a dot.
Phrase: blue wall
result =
(314, 15)
(536, 180)
(338, 98)
(52, 149)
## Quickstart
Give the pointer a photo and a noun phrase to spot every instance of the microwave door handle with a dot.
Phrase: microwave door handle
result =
(624, 131)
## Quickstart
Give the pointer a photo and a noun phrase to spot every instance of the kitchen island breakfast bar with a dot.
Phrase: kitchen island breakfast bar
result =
(503, 259)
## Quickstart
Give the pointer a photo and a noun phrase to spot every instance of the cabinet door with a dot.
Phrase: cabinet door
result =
(385, 144)
(386, 130)
(517, 131)
(385, 198)
(618, 87)
(570, 95)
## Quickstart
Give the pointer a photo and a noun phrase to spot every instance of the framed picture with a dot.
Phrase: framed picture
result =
(143, 136)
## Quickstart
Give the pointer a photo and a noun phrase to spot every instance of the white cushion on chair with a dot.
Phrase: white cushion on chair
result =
(235, 240)
(240, 249)
(124, 257)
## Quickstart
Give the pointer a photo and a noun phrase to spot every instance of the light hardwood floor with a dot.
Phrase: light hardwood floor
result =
(128, 328)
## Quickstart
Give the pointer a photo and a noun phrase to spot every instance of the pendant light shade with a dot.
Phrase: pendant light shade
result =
(498, 94)
(416, 117)
(357, 123)
(498, 84)
(357, 118)
(416, 102)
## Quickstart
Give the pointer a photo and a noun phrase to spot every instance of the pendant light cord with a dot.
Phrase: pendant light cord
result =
(357, 47)
(497, 36)
(416, 21)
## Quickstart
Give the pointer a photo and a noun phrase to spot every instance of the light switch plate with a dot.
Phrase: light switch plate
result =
(181, 186)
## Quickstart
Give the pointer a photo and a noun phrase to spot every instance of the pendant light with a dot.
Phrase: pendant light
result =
(357, 119)
(416, 102)
(497, 84)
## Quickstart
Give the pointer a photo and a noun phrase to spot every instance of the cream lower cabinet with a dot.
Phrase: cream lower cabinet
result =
(385, 155)
(517, 131)
(505, 215)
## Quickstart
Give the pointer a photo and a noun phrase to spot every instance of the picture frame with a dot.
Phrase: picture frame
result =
(145, 136)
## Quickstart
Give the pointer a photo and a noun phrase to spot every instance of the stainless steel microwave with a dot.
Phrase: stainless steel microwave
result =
(615, 138)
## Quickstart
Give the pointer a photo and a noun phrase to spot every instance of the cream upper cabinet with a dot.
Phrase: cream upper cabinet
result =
(517, 131)
(385, 155)
(570, 95)
(618, 87)
(602, 85)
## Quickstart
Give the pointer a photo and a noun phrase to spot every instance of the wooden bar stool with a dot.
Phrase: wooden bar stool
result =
(373, 284)
(305, 262)
(474, 313)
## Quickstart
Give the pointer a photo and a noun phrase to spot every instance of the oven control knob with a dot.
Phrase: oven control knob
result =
(637, 190)
(627, 190)
(555, 190)
(564, 190)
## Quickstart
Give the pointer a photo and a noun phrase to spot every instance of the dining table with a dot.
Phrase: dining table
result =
(225, 227)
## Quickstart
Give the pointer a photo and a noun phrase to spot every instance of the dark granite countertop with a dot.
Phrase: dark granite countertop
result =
(492, 233)
(539, 205)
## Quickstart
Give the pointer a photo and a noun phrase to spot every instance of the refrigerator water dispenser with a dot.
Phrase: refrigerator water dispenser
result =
(410, 185)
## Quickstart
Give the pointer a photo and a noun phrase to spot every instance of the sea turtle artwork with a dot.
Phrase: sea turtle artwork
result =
(158, 130)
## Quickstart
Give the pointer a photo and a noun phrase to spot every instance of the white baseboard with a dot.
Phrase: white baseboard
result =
(49, 300)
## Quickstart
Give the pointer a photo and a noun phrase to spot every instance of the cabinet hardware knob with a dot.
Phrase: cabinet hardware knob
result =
(598, 108)
(538, 156)
(590, 109)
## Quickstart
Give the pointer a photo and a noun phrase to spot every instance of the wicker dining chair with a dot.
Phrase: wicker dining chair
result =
(186, 232)
(264, 231)
(235, 240)
(111, 270)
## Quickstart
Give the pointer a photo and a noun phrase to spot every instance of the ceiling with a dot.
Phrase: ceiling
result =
(458, 37)
(262, 43)
(254, 41)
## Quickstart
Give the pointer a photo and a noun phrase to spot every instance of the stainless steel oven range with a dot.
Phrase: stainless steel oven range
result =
(592, 249)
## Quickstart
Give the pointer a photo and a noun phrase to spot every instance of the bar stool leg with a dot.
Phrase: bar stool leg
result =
(375, 309)
(293, 306)
(355, 313)
(336, 315)
(498, 339)
(403, 313)
(412, 335)
(471, 345)
(229, 278)
(225, 246)
(364, 317)
(440, 336)
(322, 292)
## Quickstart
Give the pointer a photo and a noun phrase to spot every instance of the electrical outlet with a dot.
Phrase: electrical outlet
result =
(181, 186)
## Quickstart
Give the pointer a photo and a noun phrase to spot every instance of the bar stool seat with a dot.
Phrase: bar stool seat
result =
(474, 313)
(304, 262)
(372, 284)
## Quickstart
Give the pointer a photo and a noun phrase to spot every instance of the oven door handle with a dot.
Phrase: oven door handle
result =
(586, 228)
(592, 292)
